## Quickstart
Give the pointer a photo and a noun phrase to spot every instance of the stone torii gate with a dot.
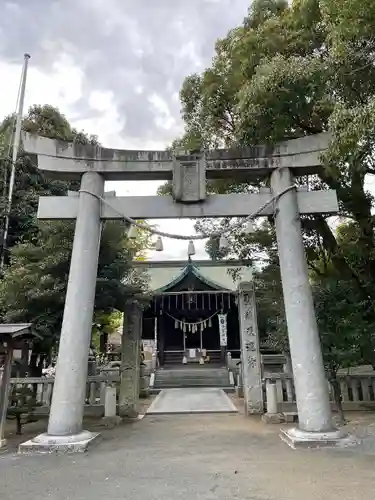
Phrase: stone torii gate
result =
(93, 165)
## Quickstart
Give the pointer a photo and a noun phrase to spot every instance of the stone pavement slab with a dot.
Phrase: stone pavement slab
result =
(194, 400)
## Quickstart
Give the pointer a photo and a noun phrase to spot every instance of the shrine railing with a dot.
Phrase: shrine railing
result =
(357, 391)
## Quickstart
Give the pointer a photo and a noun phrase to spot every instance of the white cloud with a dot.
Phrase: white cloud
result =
(163, 117)
(60, 87)
(63, 88)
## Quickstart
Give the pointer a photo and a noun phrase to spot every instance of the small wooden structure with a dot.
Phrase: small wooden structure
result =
(12, 336)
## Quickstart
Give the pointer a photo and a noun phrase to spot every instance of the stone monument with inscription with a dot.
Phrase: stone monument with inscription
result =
(130, 360)
(250, 350)
(94, 165)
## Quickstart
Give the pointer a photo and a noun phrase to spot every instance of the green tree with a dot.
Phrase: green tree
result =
(342, 327)
(105, 323)
(30, 183)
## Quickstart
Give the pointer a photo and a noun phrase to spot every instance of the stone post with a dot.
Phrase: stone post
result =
(161, 340)
(4, 391)
(154, 361)
(110, 402)
(130, 360)
(66, 415)
(271, 397)
(250, 352)
(272, 416)
(110, 419)
(223, 355)
(313, 404)
(229, 360)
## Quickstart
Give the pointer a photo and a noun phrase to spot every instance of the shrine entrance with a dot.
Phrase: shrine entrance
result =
(194, 340)
(192, 332)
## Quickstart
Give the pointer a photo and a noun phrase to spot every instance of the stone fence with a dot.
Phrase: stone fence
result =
(358, 391)
(39, 390)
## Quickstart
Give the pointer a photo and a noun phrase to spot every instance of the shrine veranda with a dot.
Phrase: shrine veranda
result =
(93, 165)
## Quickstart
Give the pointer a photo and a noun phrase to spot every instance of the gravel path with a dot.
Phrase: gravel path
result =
(191, 457)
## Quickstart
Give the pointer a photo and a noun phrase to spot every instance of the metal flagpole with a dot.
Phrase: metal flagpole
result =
(16, 146)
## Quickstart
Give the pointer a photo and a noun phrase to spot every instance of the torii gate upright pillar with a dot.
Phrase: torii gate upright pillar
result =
(66, 414)
(314, 411)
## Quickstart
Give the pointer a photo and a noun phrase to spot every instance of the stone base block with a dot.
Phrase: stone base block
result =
(44, 443)
(129, 411)
(131, 420)
(239, 392)
(114, 421)
(297, 439)
(290, 417)
(3, 445)
(273, 418)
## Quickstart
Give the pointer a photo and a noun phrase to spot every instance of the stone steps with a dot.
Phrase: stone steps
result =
(193, 377)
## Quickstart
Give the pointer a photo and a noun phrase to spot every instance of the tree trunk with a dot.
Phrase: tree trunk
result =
(103, 342)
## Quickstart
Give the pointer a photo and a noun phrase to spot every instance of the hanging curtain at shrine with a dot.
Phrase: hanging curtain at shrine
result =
(223, 329)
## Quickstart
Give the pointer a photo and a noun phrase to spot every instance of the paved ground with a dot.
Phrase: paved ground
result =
(191, 457)
(202, 400)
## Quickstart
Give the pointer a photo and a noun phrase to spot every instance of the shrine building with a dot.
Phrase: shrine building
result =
(193, 314)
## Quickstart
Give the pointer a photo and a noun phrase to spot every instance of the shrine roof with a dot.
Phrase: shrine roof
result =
(18, 333)
(218, 277)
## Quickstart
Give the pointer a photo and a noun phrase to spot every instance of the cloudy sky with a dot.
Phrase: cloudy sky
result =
(114, 68)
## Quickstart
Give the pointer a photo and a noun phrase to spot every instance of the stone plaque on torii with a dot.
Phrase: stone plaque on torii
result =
(188, 172)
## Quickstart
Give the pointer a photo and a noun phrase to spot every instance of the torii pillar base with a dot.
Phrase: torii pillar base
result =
(45, 444)
(299, 439)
